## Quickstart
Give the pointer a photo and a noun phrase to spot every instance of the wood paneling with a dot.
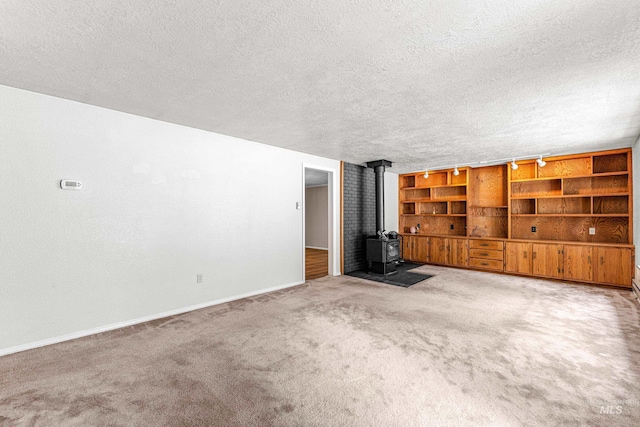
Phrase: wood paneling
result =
(438, 250)
(523, 206)
(435, 225)
(417, 194)
(458, 252)
(524, 171)
(611, 205)
(614, 265)
(408, 243)
(487, 222)
(486, 264)
(487, 200)
(565, 205)
(610, 230)
(540, 188)
(518, 257)
(408, 208)
(449, 193)
(566, 167)
(432, 208)
(547, 260)
(488, 186)
(578, 262)
(435, 179)
(610, 163)
(486, 253)
(486, 244)
(421, 249)
(597, 185)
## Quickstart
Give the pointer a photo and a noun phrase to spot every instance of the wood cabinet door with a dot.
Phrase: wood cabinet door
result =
(438, 250)
(613, 266)
(578, 263)
(407, 247)
(421, 249)
(518, 257)
(547, 260)
(458, 252)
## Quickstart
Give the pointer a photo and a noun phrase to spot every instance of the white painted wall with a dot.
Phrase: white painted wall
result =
(635, 160)
(160, 203)
(316, 217)
(391, 201)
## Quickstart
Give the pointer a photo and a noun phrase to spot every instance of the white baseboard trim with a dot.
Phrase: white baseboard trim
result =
(316, 247)
(118, 325)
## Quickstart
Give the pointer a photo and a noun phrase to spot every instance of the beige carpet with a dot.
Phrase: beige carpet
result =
(462, 348)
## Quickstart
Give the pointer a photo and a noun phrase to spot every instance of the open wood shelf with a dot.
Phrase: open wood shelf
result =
(560, 196)
(548, 178)
(571, 197)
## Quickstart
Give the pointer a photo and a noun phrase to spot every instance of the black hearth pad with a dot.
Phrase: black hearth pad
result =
(403, 277)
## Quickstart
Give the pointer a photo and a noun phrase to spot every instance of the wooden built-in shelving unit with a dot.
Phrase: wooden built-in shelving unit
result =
(570, 195)
(571, 219)
(438, 203)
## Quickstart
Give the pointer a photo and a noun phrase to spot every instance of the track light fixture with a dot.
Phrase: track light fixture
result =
(481, 163)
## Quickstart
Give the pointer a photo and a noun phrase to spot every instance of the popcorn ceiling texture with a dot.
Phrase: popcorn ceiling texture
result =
(417, 83)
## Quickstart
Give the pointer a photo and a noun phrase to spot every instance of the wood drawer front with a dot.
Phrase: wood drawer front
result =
(486, 254)
(487, 264)
(495, 245)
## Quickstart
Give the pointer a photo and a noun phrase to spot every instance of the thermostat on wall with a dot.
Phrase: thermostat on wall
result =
(70, 184)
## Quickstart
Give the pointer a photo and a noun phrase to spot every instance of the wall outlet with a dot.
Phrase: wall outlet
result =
(592, 231)
(199, 278)
(534, 229)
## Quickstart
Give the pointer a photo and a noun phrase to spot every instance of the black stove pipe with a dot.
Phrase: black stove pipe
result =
(379, 168)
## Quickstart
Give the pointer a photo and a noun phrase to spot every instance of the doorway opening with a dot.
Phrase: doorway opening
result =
(317, 222)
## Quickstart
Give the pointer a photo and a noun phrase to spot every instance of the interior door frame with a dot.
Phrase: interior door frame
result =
(333, 238)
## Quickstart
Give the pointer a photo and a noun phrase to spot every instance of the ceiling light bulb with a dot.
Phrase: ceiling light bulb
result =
(514, 165)
(541, 162)
(426, 174)
(456, 172)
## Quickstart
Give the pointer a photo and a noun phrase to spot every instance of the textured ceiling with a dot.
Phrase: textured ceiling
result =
(416, 82)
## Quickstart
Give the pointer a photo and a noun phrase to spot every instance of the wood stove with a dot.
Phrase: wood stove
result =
(383, 255)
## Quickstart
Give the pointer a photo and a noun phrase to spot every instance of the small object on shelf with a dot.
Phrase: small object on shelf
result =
(412, 229)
